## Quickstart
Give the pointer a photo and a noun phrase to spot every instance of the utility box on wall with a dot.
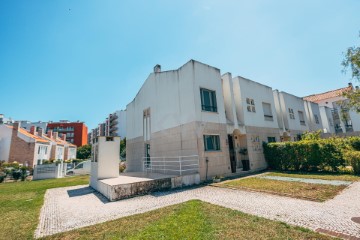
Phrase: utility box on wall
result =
(105, 159)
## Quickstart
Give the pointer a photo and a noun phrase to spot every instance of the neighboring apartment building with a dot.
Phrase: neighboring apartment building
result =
(76, 132)
(114, 125)
(342, 120)
(221, 119)
(17, 144)
(4, 120)
(27, 125)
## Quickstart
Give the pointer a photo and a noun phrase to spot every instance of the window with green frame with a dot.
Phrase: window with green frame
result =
(212, 142)
(208, 100)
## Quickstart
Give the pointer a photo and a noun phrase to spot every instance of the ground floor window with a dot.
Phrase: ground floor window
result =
(271, 139)
(212, 142)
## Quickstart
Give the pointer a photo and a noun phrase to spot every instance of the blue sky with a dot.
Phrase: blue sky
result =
(80, 60)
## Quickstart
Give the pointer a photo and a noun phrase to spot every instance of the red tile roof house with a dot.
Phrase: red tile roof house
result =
(330, 111)
(18, 145)
(60, 148)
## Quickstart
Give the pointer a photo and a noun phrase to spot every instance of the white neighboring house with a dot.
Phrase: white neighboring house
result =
(293, 119)
(252, 120)
(5, 142)
(17, 144)
(343, 120)
(179, 113)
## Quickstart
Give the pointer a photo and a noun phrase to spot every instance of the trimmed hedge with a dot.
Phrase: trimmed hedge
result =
(353, 159)
(306, 155)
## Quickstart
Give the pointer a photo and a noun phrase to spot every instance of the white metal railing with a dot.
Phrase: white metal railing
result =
(180, 165)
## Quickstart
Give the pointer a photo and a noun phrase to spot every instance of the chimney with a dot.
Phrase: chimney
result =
(50, 134)
(16, 126)
(55, 135)
(63, 137)
(157, 68)
(32, 130)
(40, 132)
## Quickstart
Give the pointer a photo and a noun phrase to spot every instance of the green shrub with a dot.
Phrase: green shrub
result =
(2, 178)
(353, 159)
(16, 174)
(307, 155)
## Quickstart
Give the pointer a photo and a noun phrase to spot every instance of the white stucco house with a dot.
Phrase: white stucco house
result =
(251, 120)
(195, 112)
(179, 113)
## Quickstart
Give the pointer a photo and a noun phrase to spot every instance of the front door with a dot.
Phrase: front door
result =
(232, 153)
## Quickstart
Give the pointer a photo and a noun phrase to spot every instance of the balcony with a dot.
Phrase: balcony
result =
(113, 123)
(113, 117)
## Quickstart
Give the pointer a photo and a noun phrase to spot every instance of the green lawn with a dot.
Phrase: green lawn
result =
(315, 192)
(324, 176)
(191, 220)
(20, 204)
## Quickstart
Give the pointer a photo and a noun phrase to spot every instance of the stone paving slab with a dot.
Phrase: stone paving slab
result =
(308, 180)
(69, 208)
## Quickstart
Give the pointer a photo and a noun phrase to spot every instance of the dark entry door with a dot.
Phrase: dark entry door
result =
(232, 153)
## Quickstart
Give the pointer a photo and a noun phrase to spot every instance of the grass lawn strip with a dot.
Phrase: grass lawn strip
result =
(307, 180)
(308, 191)
(323, 176)
(20, 204)
(191, 220)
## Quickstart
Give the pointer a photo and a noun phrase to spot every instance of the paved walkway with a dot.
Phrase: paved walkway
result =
(307, 180)
(74, 207)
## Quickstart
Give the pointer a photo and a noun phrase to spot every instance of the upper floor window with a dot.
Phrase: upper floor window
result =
(212, 142)
(267, 111)
(301, 117)
(250, 105)
(291, 113)
(316, 119)
(208, 100)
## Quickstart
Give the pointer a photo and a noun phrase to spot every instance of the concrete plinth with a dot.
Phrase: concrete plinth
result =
(138, 183)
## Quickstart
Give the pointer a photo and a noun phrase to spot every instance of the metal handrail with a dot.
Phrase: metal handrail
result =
(180, 164)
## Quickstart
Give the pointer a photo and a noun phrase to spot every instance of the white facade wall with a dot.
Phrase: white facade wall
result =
(59, 153)
(245, 88)
(286, 101)
(42, 152)
(5, 142)
(71, 153)
(327, 119)
(174, 99)
(312, 112)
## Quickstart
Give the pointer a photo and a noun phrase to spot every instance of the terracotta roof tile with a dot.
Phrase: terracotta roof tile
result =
(327, 95)
(26, 133)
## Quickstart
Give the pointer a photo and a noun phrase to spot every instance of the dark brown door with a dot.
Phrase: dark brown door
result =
(232, 153)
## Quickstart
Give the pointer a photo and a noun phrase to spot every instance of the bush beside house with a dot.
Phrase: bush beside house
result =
(314, 155)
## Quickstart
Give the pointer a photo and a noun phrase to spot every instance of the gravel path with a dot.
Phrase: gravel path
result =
(308, 180)
(74, 207)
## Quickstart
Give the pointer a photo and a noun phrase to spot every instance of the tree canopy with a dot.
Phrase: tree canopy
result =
(352, 62)
(83, 152)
